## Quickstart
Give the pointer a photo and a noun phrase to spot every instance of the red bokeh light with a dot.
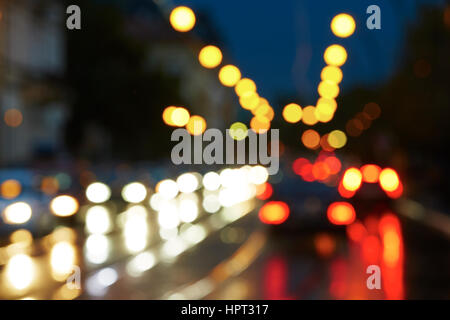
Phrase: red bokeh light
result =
(264, 191)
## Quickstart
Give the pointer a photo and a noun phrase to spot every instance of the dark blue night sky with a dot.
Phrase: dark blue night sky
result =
(280, 44)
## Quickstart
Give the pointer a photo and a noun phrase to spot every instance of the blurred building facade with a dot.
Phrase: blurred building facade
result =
(32, 55)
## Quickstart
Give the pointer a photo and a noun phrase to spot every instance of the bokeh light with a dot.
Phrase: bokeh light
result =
(311, 139)
(274, 212)
(180, 117)
(187, 182)
(17, 213)
(167, 115)
(210, 57)
(337, 139)
(196, 125)
(264, 191)
(370, 173)
(389, 180)
(10, 189)
(98, 192)
(259, 126)
(64, 206)
(341, 213)
(328, 89)
(245, 87)
(335, 55)
(250, 101)
(211, 181)
(167, 188)
(332, 74)
(13, 118)
(309, 116)
(343, 25)
(134, 192)
(292, 113)
(182, 19)
(20, 271)
(238, 131)
(229, 75)
(352, 179)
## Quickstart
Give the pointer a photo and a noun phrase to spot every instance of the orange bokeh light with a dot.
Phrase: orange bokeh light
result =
(341, 213)
(370, 173)
(10, 189)
(311, 139)
(320, 171)
(325, 244)
(274, 212)
(196, 125)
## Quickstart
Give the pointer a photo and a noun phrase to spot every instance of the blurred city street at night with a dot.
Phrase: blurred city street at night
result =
(224, 150)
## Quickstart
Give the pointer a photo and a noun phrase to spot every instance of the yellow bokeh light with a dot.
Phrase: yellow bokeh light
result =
(167, 115)
(10, 189)
(332, 74)
(229, 75)
(335, 55)
(259, 126)
(309, 116)
(389, 180)
(196, 125)
(245, 87)
(262, 110)
(292, 113)
(328, 89)
(180, 117)
(324, 117)
(352, 179)
(238, 131)
(210, 57)
(311, 139)
(182, 19)
(326, 106)
(343, 25)
(337, 139)
(249, 101)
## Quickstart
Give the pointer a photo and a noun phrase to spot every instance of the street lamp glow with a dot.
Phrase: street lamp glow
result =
(245, 86)
(229, 75)
(180, 117)
(335, 55)
(292, 113)
(182, 19)
(343, 25)
(210, 57)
